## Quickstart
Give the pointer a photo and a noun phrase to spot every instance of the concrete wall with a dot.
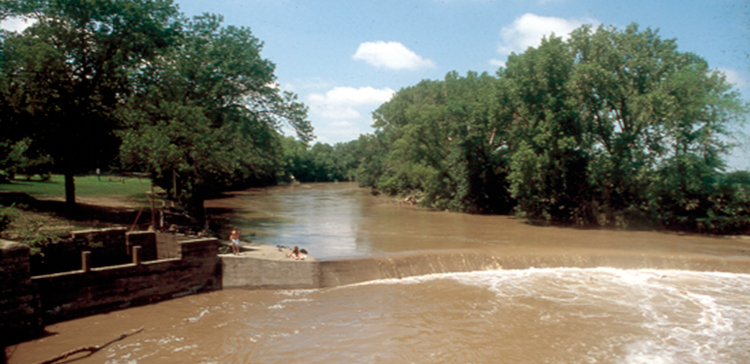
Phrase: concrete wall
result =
(19, 301)
(350, 271)
(108, 247)
(168, 245)
(245, 272)
(258, 273)
(144, 239)
(80, 293)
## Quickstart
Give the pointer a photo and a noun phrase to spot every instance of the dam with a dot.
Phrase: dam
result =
(398, 284)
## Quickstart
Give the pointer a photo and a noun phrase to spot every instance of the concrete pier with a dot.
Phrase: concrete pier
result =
(267, 267)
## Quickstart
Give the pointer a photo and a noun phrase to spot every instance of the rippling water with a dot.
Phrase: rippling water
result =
(564, 315)
(560, 315)
(343, 221)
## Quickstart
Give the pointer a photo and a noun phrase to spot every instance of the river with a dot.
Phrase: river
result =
(532, 315)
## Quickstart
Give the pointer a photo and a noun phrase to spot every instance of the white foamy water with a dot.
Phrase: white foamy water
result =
(563, 315)
(665, 316)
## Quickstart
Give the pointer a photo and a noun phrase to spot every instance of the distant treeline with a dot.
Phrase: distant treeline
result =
(608, 128)
(319, 163)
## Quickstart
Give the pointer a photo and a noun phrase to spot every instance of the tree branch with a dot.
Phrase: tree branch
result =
(90, 349)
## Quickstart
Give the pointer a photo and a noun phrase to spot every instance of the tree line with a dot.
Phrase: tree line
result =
(607, 128)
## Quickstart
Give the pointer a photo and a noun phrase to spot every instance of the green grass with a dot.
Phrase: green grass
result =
(86, 186)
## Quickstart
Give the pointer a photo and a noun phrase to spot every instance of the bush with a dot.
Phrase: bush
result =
(7, 215)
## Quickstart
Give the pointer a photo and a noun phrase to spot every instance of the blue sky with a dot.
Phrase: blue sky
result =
(345, 58)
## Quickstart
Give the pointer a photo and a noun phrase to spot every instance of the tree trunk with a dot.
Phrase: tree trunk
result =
(70, 190)
(197, 210)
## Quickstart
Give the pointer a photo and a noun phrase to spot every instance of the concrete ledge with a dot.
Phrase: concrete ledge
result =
(267, 267)
(264, 267)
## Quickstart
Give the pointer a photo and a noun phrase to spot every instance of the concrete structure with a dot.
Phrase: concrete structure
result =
(108, 247)
(27, 303)
(20, 316)
(94, 290)
(266, 267)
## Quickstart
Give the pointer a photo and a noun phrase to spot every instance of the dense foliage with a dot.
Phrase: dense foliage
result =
(208, 113)
(63, 79)
(133, 84)
(319, 163)
(608, 128)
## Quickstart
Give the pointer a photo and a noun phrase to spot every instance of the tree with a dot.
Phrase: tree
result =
(612, 128)
(68, 73)
(657, 120)
(208, 113)
(446, 144)
(550, 149)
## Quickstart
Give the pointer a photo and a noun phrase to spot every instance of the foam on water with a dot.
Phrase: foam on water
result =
(561, 315)
(683, 316)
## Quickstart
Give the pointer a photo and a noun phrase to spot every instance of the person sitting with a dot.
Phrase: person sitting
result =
(297, 254)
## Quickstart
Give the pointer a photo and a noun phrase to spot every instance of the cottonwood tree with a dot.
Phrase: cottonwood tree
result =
(208, 114)
(549, 147)
(67, 74)
(447, 144)
(610, 127)
(658, 119)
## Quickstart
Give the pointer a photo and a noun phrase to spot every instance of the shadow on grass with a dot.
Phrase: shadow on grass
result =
(94, 215)
(80, 212)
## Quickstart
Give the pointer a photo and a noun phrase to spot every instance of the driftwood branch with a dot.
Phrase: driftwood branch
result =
(89, 349)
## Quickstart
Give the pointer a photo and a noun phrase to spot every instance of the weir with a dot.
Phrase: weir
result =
(31, 302)
(261, 269)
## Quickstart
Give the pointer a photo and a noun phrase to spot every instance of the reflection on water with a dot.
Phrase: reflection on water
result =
(564, 315)
(342, 221)
(561, 315)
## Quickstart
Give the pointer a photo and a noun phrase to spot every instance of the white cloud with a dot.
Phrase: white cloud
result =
(339, 131)
(497, 62)
(528, 30)
(341, 111)
(736, 78)
(16, 24)
(353, 96)
(335, 111)
(393, 55)
(340, 102)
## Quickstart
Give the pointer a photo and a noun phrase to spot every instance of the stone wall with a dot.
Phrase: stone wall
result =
(168, 245)
(84, 292)
(19, 302)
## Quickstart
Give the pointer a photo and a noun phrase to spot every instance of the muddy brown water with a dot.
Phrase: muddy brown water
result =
(599, 296)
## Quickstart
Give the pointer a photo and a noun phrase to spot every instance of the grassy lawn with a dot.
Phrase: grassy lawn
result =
(43, 222)
(86, 186)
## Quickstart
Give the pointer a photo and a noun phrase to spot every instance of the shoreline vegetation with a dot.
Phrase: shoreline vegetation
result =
(40, 216)
(606, 127)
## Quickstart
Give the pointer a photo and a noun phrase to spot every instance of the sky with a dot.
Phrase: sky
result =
(344, 58)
